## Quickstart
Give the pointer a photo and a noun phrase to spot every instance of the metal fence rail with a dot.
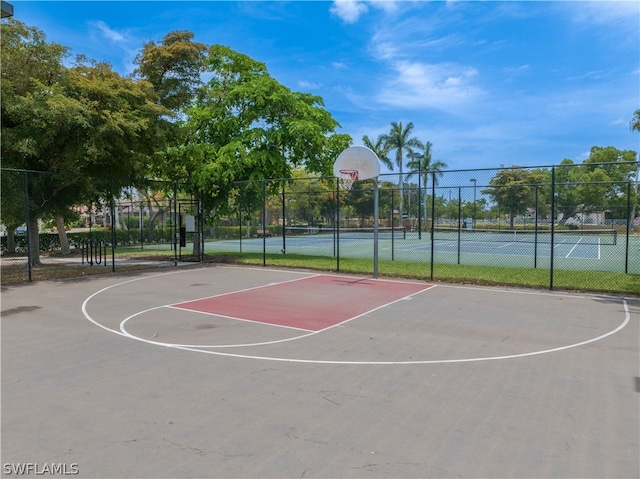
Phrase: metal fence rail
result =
(546, 220)
(513, 218)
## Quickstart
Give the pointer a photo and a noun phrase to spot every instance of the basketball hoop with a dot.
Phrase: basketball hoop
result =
(347, 177)
(359, 163)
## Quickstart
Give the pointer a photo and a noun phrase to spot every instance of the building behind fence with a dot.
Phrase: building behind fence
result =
(560, 218)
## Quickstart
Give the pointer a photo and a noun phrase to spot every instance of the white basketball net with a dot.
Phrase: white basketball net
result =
(347, 177)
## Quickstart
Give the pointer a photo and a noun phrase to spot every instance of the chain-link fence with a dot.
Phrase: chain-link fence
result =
(47, 232)
(538, 226)
(552, 224)
(567, 218)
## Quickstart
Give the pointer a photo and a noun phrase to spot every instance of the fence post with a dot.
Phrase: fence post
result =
(433, 218)
(629, 222)
(284, 219)
(337, 228)
(393, 227)
(264, 222)
(459, 220)
(535, 234)
(26, 220)
(419, 202)
(553, 221)
(113, 229)
(201, 222)
(175, 223)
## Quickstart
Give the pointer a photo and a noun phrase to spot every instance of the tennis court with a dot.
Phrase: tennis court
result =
(580, 249)
(256, 372)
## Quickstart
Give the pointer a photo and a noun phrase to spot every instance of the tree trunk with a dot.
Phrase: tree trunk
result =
(11, 240)
(152, 223)
(34, 242)
(62, 235)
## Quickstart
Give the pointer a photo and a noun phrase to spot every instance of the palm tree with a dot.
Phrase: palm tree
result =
(399, 139)
(635, 122)
(422, 163)
(379, 149)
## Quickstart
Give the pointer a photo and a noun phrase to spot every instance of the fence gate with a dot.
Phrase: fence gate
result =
(190, 230)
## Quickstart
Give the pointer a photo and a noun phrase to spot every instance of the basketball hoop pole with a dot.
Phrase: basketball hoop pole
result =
(375, 228)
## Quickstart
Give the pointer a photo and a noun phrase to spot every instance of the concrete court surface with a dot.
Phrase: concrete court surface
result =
(102, 378)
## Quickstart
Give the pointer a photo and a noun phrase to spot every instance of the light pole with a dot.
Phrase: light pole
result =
(473, 222)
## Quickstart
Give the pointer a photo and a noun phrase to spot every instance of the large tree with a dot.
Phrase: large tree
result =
(83, 128)
(29, 64)
(568, 201)
(174, 67)
(513, 189)
(244, 125)
(599, 184)
(609, 171)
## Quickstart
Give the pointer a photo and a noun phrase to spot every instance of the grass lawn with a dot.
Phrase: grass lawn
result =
(606, 282)
(591, 281)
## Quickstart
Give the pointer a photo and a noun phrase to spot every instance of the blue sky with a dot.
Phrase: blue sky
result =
(487, 83)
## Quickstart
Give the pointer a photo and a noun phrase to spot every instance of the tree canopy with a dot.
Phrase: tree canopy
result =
(244, 125)
(84, 121)
(97, 127)
(600, 183)
(513, 189)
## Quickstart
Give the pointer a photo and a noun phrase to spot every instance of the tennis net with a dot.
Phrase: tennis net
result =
(594, 237)
(345, 233)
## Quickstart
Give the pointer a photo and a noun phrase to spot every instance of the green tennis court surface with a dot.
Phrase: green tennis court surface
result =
(591, 250)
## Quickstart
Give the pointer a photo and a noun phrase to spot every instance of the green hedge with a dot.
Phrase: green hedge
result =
(51, 241)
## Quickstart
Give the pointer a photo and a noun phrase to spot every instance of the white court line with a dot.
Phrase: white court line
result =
(310, 333)
(246, 289)
(89, 298)
(574, 247)
(373, 363)
(235, 318)
(435, 361)
(178, 345)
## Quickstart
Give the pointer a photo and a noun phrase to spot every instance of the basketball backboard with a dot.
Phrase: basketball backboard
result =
(357, 163)
(360, 163)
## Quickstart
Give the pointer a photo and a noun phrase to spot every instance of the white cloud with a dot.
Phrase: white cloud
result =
(444, 86)
(594, 75)
(348, 11)
(108, 32)
(607, 19)
(306, 85)
(384, 50)
(601, 12)
(517, 69)
(388, 6)
(123, 41)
